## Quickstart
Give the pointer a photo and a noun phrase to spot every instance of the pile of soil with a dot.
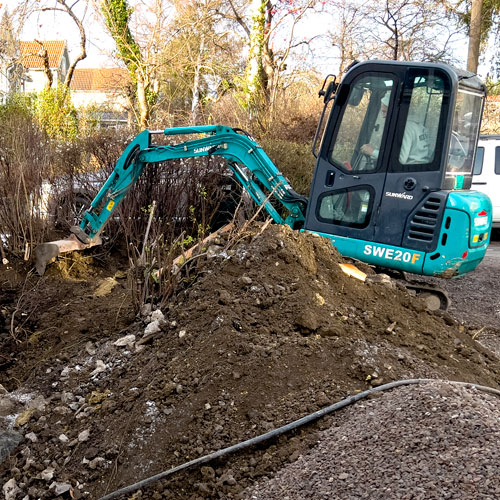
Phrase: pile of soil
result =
(262, 333)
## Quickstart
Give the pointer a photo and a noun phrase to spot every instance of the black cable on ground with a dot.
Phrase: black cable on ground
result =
(288, 427)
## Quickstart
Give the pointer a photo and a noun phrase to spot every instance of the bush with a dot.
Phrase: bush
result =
(56, 114)
(25, 159)
(294, 159)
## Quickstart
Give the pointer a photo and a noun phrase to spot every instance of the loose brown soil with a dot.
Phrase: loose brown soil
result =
(262, 333)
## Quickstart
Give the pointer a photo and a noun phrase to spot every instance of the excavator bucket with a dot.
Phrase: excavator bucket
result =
(47, 252)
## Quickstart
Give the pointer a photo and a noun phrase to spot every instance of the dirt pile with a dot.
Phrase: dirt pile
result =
(263, 333)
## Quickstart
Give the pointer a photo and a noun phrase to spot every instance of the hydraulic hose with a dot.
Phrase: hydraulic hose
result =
(288, 427)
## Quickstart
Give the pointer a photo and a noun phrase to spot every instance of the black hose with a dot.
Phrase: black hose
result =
(286, 428)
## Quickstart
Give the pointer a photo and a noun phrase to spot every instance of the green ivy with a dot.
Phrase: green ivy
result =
(117, 15)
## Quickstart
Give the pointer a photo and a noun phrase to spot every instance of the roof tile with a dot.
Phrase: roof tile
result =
(30, 50)
(99, 79)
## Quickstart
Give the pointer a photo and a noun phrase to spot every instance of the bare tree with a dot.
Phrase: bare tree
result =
(140, 50)
(267, 60)
(70, 10)
(11, 25)
(206, 50)
(347, 33)
(408, 30)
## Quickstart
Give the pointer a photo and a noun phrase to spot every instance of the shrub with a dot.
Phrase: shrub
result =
(56, 114)
(25, 158)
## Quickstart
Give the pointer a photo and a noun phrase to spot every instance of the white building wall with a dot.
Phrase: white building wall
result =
(37, 80)
(83, 99)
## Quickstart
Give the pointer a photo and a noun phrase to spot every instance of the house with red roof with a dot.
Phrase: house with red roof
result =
(31, 56)
(100, 86)
(103, 88)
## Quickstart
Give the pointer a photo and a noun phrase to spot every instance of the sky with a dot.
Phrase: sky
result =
(60, 26)
(56, 25)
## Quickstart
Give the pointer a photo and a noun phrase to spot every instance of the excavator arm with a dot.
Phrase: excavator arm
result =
(250, 165)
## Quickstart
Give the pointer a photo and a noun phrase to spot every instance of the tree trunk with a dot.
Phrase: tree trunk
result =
(142, 101)
(255, 76)
(474, 36)
(195, 103)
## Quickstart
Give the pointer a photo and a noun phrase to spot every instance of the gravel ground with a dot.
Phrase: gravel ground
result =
(432, 441)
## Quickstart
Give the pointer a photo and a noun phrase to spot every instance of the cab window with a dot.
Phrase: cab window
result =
(420, 122)
(465, 129)
(359, 137)
(346, 207)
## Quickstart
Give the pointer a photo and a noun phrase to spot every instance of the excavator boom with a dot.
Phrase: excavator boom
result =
(253, 169)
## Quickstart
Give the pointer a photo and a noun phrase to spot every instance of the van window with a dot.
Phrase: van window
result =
(478, 162)
(497, 160)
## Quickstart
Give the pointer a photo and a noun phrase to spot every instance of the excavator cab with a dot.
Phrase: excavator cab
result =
(393, 173)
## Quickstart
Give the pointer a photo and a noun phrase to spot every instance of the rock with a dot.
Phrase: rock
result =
(105, 287)
(228, 479)
(39, 403)
(60, 488)
(24, 417)
(84, 435)
(246, 280)
(319, 299)
(208, 473)
(99, 368)
(182, 334)
(67, 397)
(93, 464)
(47, 474)
(157, 315)
(9, 440)
(307, 321)
(225, 298)
(90, 348)
(203, 488)
(63, 438)
(146, 309)
(127, 341)
(7, 406)
(97, 397)
(32, 437)
(10, 489)
(153, 327)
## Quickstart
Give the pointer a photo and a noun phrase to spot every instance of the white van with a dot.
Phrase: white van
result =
(486, 174)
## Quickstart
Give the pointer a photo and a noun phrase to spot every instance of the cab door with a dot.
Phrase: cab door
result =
(348, 183)
(412, 203)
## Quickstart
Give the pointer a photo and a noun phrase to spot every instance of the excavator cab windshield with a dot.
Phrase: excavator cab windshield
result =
(464, 136)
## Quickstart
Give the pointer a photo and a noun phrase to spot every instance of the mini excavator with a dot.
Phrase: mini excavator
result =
(395, 147)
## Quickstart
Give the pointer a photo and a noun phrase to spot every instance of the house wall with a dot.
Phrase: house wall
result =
(36, 80)
(83, 99)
